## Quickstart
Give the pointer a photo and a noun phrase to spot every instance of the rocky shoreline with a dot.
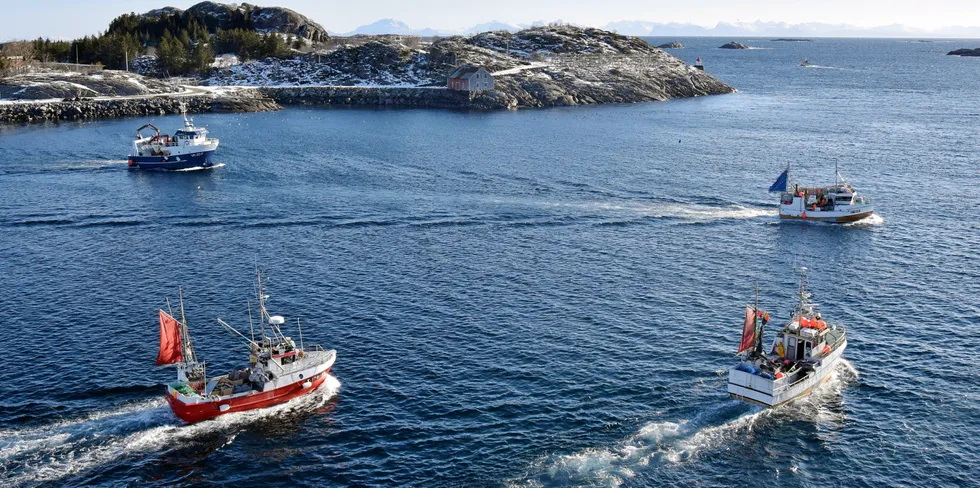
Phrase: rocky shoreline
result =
(261, 99)
(510, 95)
(539, 67)
(47, 111)
(409, 97)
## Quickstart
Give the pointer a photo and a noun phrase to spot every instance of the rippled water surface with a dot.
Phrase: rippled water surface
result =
(533, 298)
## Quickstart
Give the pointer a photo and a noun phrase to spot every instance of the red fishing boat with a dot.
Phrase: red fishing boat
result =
(278, 369)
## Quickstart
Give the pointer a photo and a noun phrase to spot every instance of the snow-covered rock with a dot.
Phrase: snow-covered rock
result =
(541, 66)
(225, 61)
(47, 84)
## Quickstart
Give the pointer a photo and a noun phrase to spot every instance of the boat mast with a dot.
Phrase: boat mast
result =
(300, 334)
(185, 343)
(262, 312)
(251, 329)
(761, 324)
(802, 305)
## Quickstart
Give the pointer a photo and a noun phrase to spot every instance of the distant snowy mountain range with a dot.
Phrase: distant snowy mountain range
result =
(392, 26)
(783, 29)
(673, 29)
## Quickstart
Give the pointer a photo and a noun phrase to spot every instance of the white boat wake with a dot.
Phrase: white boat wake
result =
(676, 210)
(200, 168)
(675, 443)
(873, 220)
(49, 453)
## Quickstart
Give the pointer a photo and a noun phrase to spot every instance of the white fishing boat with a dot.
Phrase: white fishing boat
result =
(190, 147)
(838, 203)
(803, 355)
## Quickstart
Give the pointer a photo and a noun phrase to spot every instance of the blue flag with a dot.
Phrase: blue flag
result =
(780, 184)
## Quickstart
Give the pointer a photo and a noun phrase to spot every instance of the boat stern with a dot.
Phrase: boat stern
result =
(750, 386)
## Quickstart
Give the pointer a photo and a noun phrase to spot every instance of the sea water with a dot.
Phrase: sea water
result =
(531, 298)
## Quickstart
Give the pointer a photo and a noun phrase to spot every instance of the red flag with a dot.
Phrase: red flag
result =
(748, 331)
(170, 350)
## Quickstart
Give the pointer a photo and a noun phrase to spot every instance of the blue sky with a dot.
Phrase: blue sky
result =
(68, 19)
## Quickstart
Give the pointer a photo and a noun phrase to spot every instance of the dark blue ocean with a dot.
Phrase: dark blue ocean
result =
(531, 298)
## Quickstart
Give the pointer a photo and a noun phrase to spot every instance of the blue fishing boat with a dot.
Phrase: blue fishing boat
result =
(189, 148)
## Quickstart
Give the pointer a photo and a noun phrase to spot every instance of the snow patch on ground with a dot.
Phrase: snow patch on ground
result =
(513, 71)
(225, 61)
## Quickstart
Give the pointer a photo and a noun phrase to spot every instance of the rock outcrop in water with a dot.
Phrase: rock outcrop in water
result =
(671, 45)
(733, 45)
(965, 52)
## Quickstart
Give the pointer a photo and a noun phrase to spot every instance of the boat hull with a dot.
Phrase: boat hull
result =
(206, 410)
(834, 217)
(796, 209)
(201, 159)
(770, 393)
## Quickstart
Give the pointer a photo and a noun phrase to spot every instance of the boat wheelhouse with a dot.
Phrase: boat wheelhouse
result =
(278, 369)
(803, 355)
(838, 203)
(190, 147)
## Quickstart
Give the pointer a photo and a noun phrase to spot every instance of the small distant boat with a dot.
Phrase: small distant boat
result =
(190, 147)
(278, 370)
(806, 62)
(803, 354)
(839, 202)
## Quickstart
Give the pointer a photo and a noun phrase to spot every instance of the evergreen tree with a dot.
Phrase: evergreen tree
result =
(202, 58)
(273, 45)
(172, 55)
(185, 37)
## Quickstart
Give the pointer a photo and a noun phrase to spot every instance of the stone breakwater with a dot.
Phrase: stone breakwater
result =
(421, 97)
(28, 112)
(254, 100)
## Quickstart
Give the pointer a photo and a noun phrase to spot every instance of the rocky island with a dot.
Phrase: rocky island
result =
(545, 66)
(733, 45)
(965, 52)
(671, 45)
